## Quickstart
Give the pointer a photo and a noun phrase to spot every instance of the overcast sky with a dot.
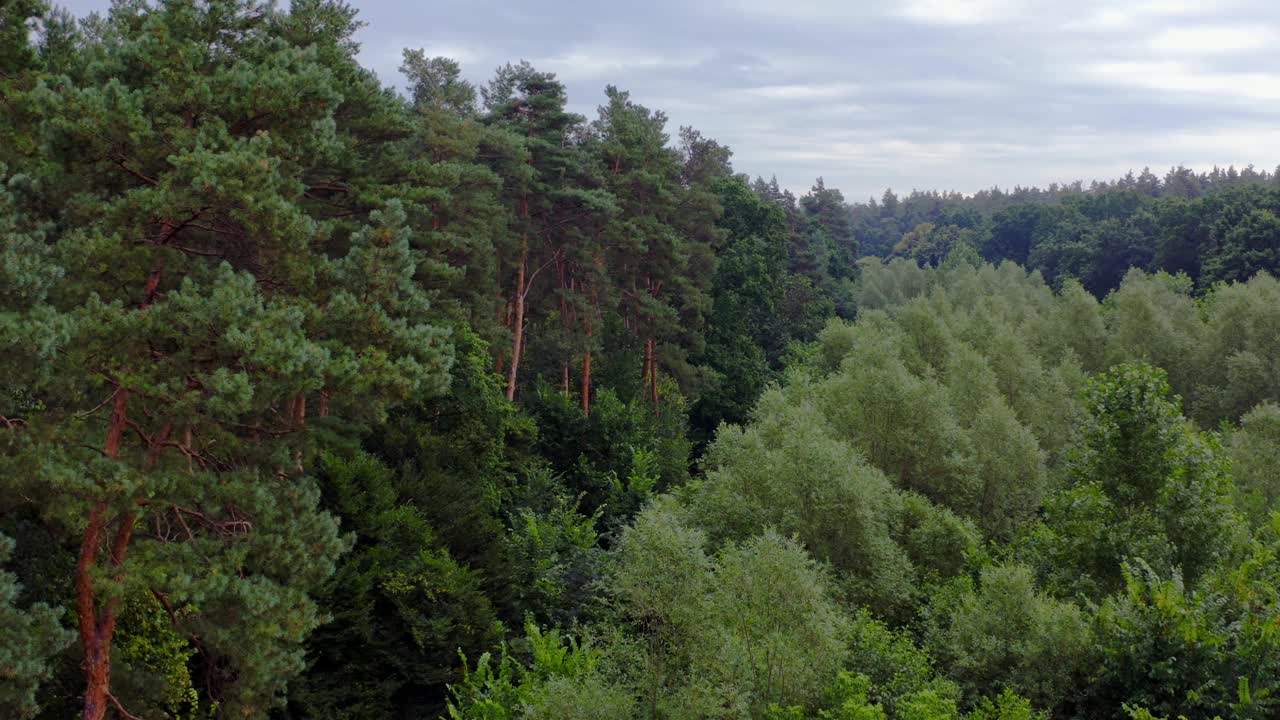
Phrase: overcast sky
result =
(929, 94)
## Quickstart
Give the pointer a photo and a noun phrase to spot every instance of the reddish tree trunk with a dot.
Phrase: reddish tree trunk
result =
(97, 671)
(97, 628)
(562, 270)
(644, 372)
(653, 374)
(586, 362)
(299, 412)
(586, 383)
(517, 328)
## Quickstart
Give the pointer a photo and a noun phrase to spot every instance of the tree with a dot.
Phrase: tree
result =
(659, 244)
(1254, 450)
(1244, 246)
(929, 244)
(176, 440)
(401, 607)
(1145, 484)
(32, 636)
(747, 334)
(789, 471)
(1007, 634)
(535, 165)
(1011, 236)
(1204, 649)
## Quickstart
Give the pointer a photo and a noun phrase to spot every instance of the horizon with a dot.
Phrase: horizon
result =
(925, 95)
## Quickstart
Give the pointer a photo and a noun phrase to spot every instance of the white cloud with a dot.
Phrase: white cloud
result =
(608, 65)
(1208, 39)
(1111, 17)
(947, 94)
(1183, 78)
(960, 12)
(827, 91)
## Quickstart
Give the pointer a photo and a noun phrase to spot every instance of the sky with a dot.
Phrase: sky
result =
(912, 94)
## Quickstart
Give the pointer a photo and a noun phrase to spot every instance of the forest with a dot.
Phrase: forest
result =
(329, 397)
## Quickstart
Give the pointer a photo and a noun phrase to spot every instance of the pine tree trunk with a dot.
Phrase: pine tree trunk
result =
(562, 271)
(586, 362)
(586, 383)
(651, 371)
(644, 372)
(96, 663)
(299, 421)
(653, 374)
(517, 328)
(96, 629)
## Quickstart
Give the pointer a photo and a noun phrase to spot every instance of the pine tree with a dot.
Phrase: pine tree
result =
(659, 249)
(198, 309)
(535, 162)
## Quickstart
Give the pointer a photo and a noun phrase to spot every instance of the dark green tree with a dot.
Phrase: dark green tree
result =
(200, 310)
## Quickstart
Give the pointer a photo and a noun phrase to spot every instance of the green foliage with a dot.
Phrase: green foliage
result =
(1146, 485)
(1207, 650)
(897, 670)
(561, 679)
(324, 386)
(930, 245)
(1254, 450)
(790, 472)
(846, 698)
(33, 634)
(400, 605)
(937, 415)
(555, 559)
(778, 632)
(1007, 706)
(1005, 634)
(595, 455)
(147, 644)
(753, 626)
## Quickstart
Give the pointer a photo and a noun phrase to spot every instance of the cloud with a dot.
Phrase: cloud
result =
(605, 64)
(959, 12)
(1200, 40)
(802, 91)
(946, 94)
(1183, 78)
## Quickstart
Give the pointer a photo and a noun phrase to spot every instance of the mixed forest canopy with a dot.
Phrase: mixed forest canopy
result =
(320, 399)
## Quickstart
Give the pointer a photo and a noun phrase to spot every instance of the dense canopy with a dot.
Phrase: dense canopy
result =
(323, 400)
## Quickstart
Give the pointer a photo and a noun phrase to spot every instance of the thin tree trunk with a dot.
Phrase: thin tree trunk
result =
(96, 629)
(517, 327)
(97, 671)
(562, 272)
(653, 374)
(586, 383)
(586, 362)
(644, 372)
(299, 421)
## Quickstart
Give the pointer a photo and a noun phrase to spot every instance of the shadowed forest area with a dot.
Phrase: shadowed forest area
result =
(325, 400)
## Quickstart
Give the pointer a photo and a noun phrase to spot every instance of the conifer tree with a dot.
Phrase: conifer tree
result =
(194, 312)
(535, 161)
(659, 254)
